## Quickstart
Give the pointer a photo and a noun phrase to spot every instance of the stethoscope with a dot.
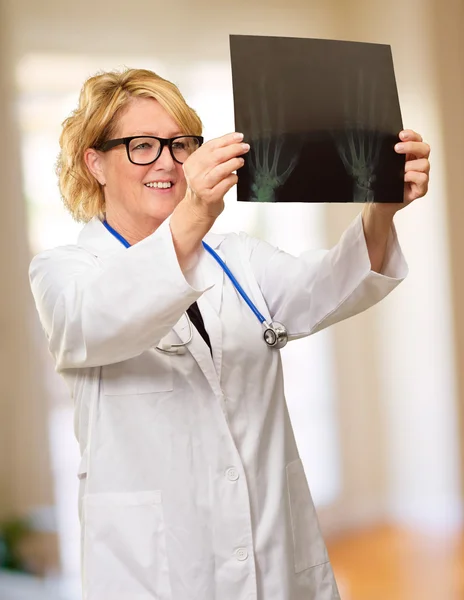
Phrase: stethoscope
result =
(275, 334)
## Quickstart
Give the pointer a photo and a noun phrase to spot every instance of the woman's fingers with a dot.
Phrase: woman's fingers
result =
(414, 149)
(222, 171)
(225, 185)
(418, 184)
(410, 135)
(421, 179)
(224, 140)
(223, 155)
(421, 164)
(216, 155)
(212, 165)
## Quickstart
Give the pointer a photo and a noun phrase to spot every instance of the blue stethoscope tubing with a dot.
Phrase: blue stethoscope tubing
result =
(275, 334)
(235, 283)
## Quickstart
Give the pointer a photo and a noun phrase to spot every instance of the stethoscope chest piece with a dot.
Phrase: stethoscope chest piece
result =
(275, 335)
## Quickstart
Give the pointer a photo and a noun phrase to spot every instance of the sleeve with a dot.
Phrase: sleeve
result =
(319, 288)
(100, 312)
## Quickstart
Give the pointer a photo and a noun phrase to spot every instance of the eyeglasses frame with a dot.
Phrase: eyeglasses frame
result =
(109, 144)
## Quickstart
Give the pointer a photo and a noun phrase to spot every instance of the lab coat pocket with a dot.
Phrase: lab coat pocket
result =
(309, 546)
(124, 547)
(150, 372)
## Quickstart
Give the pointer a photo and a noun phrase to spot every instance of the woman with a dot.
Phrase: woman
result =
(191, 483)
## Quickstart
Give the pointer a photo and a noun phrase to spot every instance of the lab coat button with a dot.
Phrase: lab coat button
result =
(232, 474)
(241, 553)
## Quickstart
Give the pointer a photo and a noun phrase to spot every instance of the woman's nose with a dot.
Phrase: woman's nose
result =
(165, 160)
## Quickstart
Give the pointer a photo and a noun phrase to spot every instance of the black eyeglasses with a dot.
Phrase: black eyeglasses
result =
(144, 150)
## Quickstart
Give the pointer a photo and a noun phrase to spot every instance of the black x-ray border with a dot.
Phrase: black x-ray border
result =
(322, 118)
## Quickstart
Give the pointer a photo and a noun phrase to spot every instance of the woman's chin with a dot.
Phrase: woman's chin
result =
(162, 208)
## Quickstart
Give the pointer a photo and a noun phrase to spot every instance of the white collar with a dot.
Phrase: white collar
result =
(96, 238)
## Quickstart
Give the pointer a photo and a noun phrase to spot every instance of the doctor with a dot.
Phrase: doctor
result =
(191, 483)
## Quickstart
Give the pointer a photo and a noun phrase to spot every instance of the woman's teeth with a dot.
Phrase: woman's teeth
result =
(160, 184)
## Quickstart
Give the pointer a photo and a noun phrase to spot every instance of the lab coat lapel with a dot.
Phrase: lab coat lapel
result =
(210, 305)
(97, 239)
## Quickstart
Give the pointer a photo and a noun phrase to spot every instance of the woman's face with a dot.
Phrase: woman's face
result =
(127, 193)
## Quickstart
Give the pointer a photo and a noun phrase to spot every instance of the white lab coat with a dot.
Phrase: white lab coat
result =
(191, 483)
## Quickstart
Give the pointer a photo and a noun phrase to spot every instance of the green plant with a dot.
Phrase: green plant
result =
(12, 533)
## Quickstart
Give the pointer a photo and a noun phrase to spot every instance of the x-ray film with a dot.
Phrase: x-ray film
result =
(322, 118)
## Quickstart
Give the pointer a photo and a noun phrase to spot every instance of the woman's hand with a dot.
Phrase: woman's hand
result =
(209, 173)
(416, 172)
(378, 216)
(417, 168)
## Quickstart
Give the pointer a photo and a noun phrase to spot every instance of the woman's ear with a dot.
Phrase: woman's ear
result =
(94, 162)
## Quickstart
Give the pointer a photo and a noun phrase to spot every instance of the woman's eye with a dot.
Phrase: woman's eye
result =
(143, 146)
(178, 146)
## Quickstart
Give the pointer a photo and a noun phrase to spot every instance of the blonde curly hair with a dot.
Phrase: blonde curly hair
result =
(101, 101)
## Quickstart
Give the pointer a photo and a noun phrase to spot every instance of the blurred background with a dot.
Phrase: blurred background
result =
(376, 401)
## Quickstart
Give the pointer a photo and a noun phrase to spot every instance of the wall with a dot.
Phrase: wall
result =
(397, 366)
(409, 340)
(449, 48)
(24, 467)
